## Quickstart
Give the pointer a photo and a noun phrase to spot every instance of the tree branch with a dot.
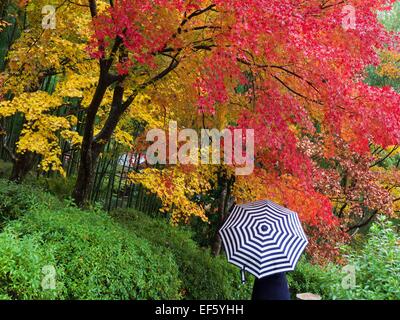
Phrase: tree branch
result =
(93, 8)
(295, 92)
(174, 63)
(384, 158)
(362, 224)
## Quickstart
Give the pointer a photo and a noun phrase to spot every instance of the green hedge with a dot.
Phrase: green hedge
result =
(203, 276)
(94, 258)
(97, 257)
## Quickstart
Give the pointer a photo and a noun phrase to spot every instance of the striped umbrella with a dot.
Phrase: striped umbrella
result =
(263, 238)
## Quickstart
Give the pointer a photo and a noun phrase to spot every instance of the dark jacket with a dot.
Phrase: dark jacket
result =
(273, 287)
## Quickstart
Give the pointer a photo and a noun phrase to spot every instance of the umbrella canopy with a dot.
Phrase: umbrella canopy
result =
(263, 238)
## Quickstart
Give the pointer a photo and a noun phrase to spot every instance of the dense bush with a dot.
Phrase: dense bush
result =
(310, 278)
(21, 263)
(94, 257)
(203, 276)
(97, 257)
(18, 199)
(377, 265)
(56, 185)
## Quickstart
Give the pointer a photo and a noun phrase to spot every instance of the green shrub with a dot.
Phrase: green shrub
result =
(203, 276)
(97, 258)
(21, 263)
(18, 199)
(377, 266)
(313, 278)
(56, 185)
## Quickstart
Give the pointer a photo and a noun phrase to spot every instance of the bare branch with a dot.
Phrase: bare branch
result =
(384, 158)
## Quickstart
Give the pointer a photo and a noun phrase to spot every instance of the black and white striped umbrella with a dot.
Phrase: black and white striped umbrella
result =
(263, 238)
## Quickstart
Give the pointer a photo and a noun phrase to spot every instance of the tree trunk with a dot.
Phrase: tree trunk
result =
(225, 203)
(93, 146)
(88, 154)
(23, 163)
(3, 7)
(84, 181)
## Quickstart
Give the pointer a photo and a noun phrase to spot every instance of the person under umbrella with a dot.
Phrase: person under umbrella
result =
(266, 240)
(273, 287)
